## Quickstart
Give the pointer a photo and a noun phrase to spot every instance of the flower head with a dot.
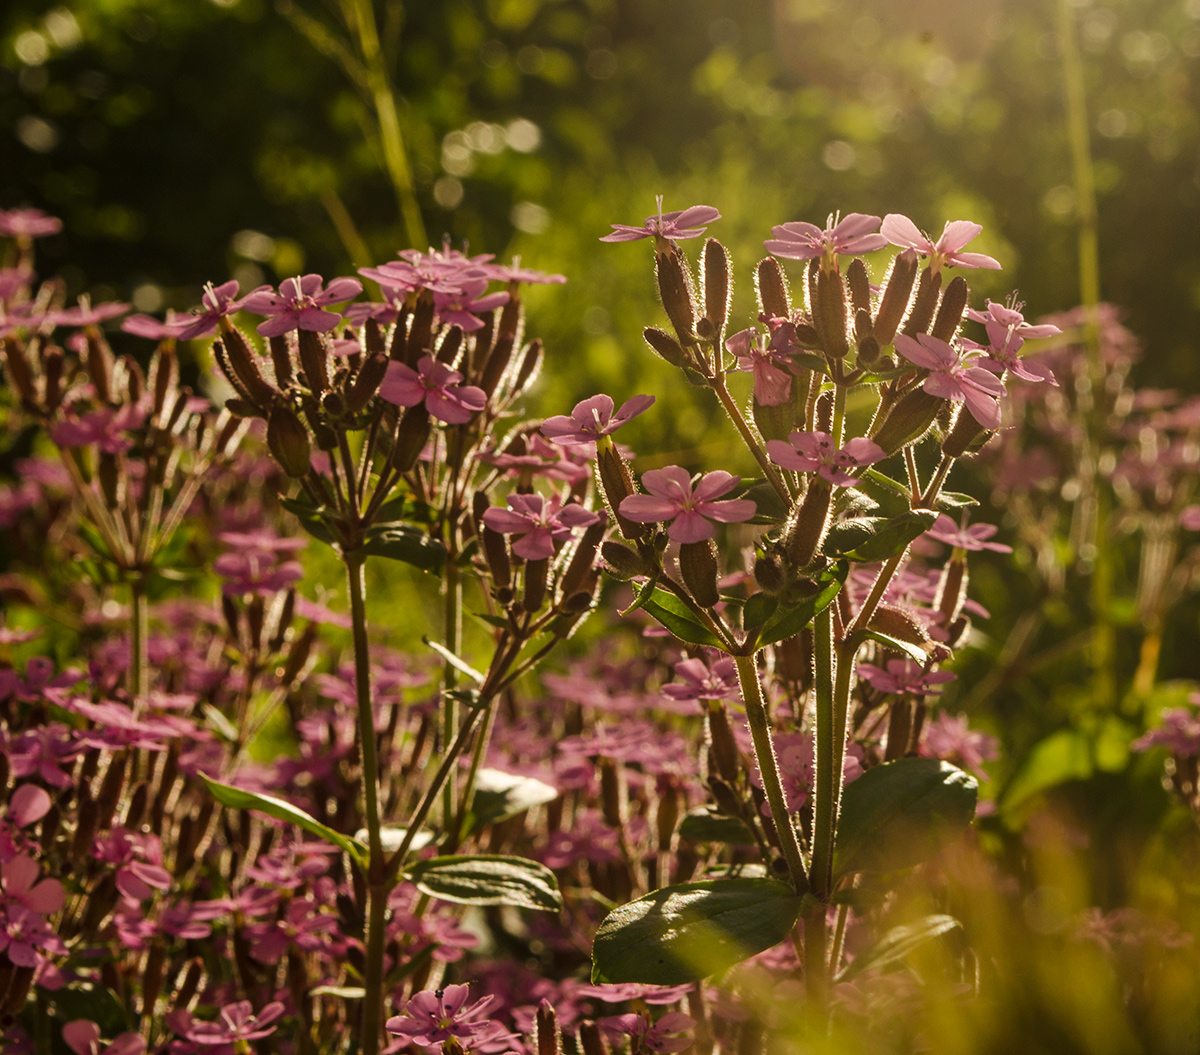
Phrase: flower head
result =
(435, 1015)
(215, 304)
(299, 304)
(593, 418)
(903, 676)
(814, 452)
(437, 386)
(538, 523)
(685, 223)
(238, 1022)
(458, 307)
(946, 251)
(28, 223)
(951, 376)
(667, 1034)
(688, 507)
(703, 681)
(974, 537)
(854, 235)
(1007, 331)
(768, 359)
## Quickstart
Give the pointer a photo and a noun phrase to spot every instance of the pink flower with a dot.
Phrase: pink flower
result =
(952, 378)
(769, 361)
(973, 537)
(27, 804)
(457, 307)
(151, 328)
(854, 235)
(103, 426)
(514, 272)
(1007, 331)
(814, 452)
(537, 523)
(901, 231)
(593, 418)
(28, 223)
(701, 681)
(435, 385)
(1179, 731)
(299, 305)
(903, 676)
(82, 1036)
(238, 1022)
(686, 223)
(948, 737)
(686, 506)
(217, 302)
(86, 314)
(667, 1034)
(434, 1016)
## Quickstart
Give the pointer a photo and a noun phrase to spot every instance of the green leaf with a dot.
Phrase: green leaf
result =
(758, 610)
(311, 518)
(1061, 757)
(955, 500)
(706, 827)
(342, 992)
(786, 622)
(237, 799)
(407, 545)
(902, 813)
(683, 933)
(847, 535)
(461, 665)
(886, 482)
(678, 618)
(894, 535)
(769, 507)
(898, 943)
(500, 795)
(642, 596)
(908, 648)
(488, 879)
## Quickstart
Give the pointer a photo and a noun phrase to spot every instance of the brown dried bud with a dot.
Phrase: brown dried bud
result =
(964, 432)
(924, 303)
(548, 1040)
(617, 484)
(721, 741)
(411, 437)
(669, 348)
(698, 565)
(907, 420)
(370, 376)
(804, 533)
(896, 292)
(717, 282)
(950, 311)
(288, 441)
(584, 558)
(622, 562)
(237, 360)
(772, 289)
(536, 574)
(314, 355)
(281, 359)
(829, 313)
(675, 289)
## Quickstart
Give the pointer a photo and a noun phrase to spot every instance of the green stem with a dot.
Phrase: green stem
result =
(748, 437)
(453, 634)
(764, 753)
(839, 414)
(139, 633)
(826, 782)
(372, 1014)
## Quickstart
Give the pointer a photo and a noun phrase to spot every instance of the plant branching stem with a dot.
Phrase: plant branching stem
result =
(748, 437)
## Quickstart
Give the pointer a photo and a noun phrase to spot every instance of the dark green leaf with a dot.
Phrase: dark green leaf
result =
(898, 943)
(847, 535)
(787, 622)
(678, 618)
(236, 798)
(769, 507)
(488, 879)
(893, 536)
(907, 648)
(409, 546)
(902, 813)
(683, 933)
(643, 594)
(955, 500)
(758, 610)
(500, 795)
(707, 827)
(311, 518)
(492, 620)
(885, 482)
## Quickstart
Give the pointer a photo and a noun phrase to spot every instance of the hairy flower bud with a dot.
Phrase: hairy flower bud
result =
(109, 476)
(616, 482)
(288, 441)
(721, 742)
(497, 363)
(591, 1041)
(804, 533)
(495, 553)
(907, 420)
(536, 574)
(769, 574)
(164, 374)
(698, 565)
(899, 623)
(896, 293)
(374, 337)
(829, 313)
(952, 589)
(52, 372)
(530, 364)
(777, 422)
(411, 438)
(675, 289)
(950, 311)
(772, 289)
(860, 286)
(20, 375)
(314, 356)
(281, 359)
(298, 655)
(868, 350)
(366, 383)
(583, 559)
(548, 1040)
(924, 303)
(717, 281)
(99, 362)
(965, 432)
(669, 348)
(623, 563)
(450, 345)
(237, 361)
(420, 332)
(823, 421)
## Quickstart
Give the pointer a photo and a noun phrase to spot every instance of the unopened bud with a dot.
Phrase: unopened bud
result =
(907, 420)
(774, 423)
(229, 611)
(20, 375)
(807, 336)
(584, 558)
(536, 574)
(793, 658)
(530, 364)
(950, 311)
(298, 655)
(495, 552)
(164, 374)
(255, 613)
(52, 372)
(724, 796)
(924, 303)
(450, 346)
(962, 435)
(510, 317)
(617, 484)
(374, 337)
(830, 313)
(99, 365)
(137, 805)
(411, 437)
(237, 360)
(896, 292)
(614, 792)
(281, 359)
(716, 286)
(772, 289)
(135, 379)
(313, 361)
(769, 574)
(824, 415)
(666, 813)
(952, 589)
(860, 286)
(288, 441)
(370, 376)
(675, 289)
(548, 1040)
(698, 565)
(803, 535)
(862, 326)
(109, 475)
(591, 1041)
(420, 332)
(282, 617)
(669, 348)
(899, 623)
(623, 563)
(868, 350)
(721, 741)
(497, 363)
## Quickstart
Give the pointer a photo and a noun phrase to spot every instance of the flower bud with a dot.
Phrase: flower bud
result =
(495, 552)
(137, 805)
(614, 792)
(829, 314)
(529, 367)
(895, 297)
(20, 375)
(721, 742)
(229, 611)
(674, 287)
(793, 658)
(135, 379)
(666, 812)
(298, 655)
(99, 363)
(109, 475)
(824, 416)
(724, 796)
(907, 420)
(237, 362)
(804, 533)
(450, 346)
(288, 441)
(591, 1042)
(924, 303)
(952, 589)
(698, 565)
(374, 337)
(510, 317)
(282, 615)
(52, 372)
(868, 350)
(420, 332)
(497, 363)
(617, 484)
(963, 433)
(411, 437)
(717, 281)
(622, 562)
(85, 825)
(548, 1040)
(774, 423)
(772, 289)
(899, 623)
(769, 574)
(950, 311)
(669, 348)
(281, 359)
(255, 614)
(314, 355)
(860, 286)
(583, 559)
(164, 374)
(807, 336)
(899, 729)
(366, 383)
(536, 574)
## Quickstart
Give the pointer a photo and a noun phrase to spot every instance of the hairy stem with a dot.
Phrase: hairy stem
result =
(748, 437)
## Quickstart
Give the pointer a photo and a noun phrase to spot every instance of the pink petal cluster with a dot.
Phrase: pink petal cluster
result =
(853, 236)
(593, 418)
(219, 301)
(814, 452)
(949, 737)
(238, 1023)
(435, 385)
(952, 377)
(105, 427)
(82, 1036)
(973, 537)
(684, 223)
(537, 523)
(28, 223)
(699, 680)
(299, 304)
(669, 1033)
(903, 676)
(433, 1016)
(768, 359)
(25, 900)
(687, 507)
(946, 251)
(1007, 331)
